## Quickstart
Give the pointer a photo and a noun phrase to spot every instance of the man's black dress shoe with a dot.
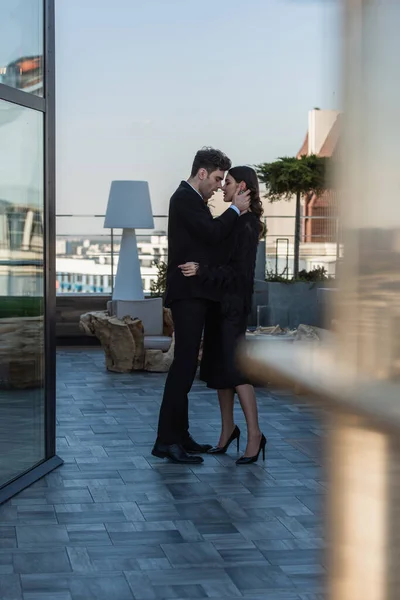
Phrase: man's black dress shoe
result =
(176, 453)
(192, 447)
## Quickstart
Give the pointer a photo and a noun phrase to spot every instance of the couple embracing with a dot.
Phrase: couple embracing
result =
(210, 278)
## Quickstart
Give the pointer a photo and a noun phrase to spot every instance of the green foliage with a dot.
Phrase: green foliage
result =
(21, 306)
(315, 275)
(290, 175)
(158, 287)
(278, 277)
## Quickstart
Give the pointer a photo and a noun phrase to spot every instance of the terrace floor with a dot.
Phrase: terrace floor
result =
(114, 523)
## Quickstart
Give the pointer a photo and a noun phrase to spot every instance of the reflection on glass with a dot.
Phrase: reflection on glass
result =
(21, 45)
(21, 290)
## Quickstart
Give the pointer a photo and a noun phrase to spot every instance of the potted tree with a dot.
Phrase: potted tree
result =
(290, 305)
(292, 176)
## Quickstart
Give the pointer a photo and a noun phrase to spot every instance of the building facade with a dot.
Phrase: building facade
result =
(89, 265)
(27, 244)
(321, 210)
(319, 243)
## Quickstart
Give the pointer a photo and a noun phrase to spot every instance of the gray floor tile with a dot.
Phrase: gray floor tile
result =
(32, 535)
(196, 553)
(281, 558)
(115, 522)
(42, 562)
(101, 588)
(245, 556)
(259, 578)
(10, 587)
(47, 595)
(145, 537)
(268, 529)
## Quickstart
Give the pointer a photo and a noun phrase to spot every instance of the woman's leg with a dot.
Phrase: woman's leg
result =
(248, 403)
(226, 400)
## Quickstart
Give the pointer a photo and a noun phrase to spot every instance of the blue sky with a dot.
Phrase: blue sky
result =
(141, 85)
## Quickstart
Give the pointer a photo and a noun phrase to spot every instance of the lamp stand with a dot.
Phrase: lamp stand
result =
(128, 280)
(128, 298)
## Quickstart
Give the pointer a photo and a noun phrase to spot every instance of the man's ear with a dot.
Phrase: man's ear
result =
(202, 174)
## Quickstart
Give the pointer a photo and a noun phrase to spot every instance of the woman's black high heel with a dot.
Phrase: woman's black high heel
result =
(246, 460)
(222, 449)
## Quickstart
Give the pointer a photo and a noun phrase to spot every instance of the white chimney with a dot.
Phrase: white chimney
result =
(320, 122)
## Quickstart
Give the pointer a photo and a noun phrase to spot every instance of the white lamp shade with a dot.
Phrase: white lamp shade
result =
(129, 206)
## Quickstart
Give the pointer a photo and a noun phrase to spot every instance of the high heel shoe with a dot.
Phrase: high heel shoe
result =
(235, 435)
(246, 460)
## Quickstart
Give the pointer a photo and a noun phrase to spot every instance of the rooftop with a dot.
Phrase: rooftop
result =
(114, 522)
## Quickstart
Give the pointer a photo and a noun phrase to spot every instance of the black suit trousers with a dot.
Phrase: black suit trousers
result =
(189, 317)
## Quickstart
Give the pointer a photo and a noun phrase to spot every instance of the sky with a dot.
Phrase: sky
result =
(21, 29)
(142, 85)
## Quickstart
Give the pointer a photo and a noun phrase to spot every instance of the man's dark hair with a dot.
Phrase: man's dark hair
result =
(211, 160)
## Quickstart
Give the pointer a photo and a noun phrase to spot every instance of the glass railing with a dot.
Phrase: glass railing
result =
(87, 254)
(320, 246)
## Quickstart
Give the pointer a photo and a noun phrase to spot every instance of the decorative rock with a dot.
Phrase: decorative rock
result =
(157, 361)
(123, 343)
(168, 323)
(200, 357)
(136, 328)
(21, 352)
(306, 333)
(272, 330)
(121, 339)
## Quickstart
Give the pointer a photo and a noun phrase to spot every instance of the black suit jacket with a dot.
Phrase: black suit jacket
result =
(193, 235)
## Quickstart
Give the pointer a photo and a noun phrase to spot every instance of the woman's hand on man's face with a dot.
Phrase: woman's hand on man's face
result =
(189, 269)
(241, 200)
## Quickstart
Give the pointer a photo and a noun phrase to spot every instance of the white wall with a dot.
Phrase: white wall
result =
(320, 123)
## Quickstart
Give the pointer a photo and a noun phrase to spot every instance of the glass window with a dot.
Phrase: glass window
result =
(21, 45)
(22, 438)
(16, 220)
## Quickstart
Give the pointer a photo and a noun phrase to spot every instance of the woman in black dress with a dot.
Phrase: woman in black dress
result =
(226, 325)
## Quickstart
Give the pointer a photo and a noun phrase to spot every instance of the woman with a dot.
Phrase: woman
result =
(226, 326)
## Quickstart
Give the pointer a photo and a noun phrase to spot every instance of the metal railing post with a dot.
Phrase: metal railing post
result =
(112, 261)
(297, 226)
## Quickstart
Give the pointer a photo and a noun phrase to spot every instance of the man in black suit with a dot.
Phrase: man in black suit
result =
(193, 235)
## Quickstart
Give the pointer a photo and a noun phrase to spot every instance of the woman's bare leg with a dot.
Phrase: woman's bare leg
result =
(226, 400)
(248, 403)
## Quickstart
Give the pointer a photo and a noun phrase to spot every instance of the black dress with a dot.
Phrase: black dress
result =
(227, 321)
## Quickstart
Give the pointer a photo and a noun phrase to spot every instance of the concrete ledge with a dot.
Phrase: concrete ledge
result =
(149, 311)
(69, 308)
(289, 304)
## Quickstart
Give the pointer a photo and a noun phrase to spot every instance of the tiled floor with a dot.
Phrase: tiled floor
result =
(114, 523)
(21, 411)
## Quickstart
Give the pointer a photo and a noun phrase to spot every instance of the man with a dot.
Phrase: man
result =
(193, 235)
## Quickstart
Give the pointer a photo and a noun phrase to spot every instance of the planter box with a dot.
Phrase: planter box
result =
(69, 308)
(288, 304)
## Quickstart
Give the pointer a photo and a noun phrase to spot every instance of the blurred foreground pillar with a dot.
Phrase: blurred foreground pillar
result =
(364, 458)
(363, 507)
(357, 378)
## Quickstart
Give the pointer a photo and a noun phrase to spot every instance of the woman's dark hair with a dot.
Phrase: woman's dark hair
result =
(249, 176)
(211, 160)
